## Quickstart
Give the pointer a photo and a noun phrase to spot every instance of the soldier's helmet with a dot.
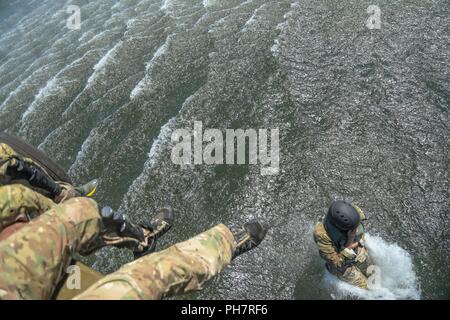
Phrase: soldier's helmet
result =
(343, 215)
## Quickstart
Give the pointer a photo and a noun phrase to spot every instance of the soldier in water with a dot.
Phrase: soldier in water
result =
(341, 243)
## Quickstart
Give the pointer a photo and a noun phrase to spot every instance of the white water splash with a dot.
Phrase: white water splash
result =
(398, 279)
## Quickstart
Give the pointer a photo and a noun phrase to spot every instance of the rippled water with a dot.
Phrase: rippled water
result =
(363, 115)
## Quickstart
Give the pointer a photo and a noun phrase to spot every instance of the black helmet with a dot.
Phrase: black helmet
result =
(343, 215)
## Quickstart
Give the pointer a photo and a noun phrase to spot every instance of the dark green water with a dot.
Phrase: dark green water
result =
(363, 115)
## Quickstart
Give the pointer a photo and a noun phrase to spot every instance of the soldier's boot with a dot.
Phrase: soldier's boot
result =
(158, 226)
(88, 189)
(118, 231)
(68, 191)
(250, 237)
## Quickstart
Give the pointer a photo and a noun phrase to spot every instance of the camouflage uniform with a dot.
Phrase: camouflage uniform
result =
(181, 268)
(19, 201)
(33, 260)
(8, 157)
(351, 271)
(21, 204)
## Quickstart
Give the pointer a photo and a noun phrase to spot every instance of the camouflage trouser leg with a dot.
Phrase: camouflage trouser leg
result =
(181, 268)
(8, 157)
(21, 204)
(354, 276)
(34, 259)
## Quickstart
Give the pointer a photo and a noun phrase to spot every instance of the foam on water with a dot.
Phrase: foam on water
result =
(163, 137)
(253, 19)
(166, 4)
(52, 87)
(209, 3)
(275, 49)
(398, 279)
(117, 5)
(12, 94)
(162, 141)
(97, 36)
(146, 81)
(83, 151)
(98, 68)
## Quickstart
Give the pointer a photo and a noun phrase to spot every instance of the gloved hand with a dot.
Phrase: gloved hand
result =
(349, 254)
(68, 191)
(65, 194)
(361, 255)
(362, 242)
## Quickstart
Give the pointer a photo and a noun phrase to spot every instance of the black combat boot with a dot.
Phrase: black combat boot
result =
(250, 237)
(118, 231)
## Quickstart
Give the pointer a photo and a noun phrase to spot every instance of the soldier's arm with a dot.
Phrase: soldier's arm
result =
(362, 241)
(17, 167)
(328, 252)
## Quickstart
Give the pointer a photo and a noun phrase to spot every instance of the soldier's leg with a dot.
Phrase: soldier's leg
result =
(15, 167)
(8, 157)
(33, 260)
(181, 268)
(354, 276)
(363, 261)
(21, 204)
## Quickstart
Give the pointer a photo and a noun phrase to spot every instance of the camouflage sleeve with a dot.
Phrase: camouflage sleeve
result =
(360, 231)
(326, 248)
(362, 241)
(8, 157)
